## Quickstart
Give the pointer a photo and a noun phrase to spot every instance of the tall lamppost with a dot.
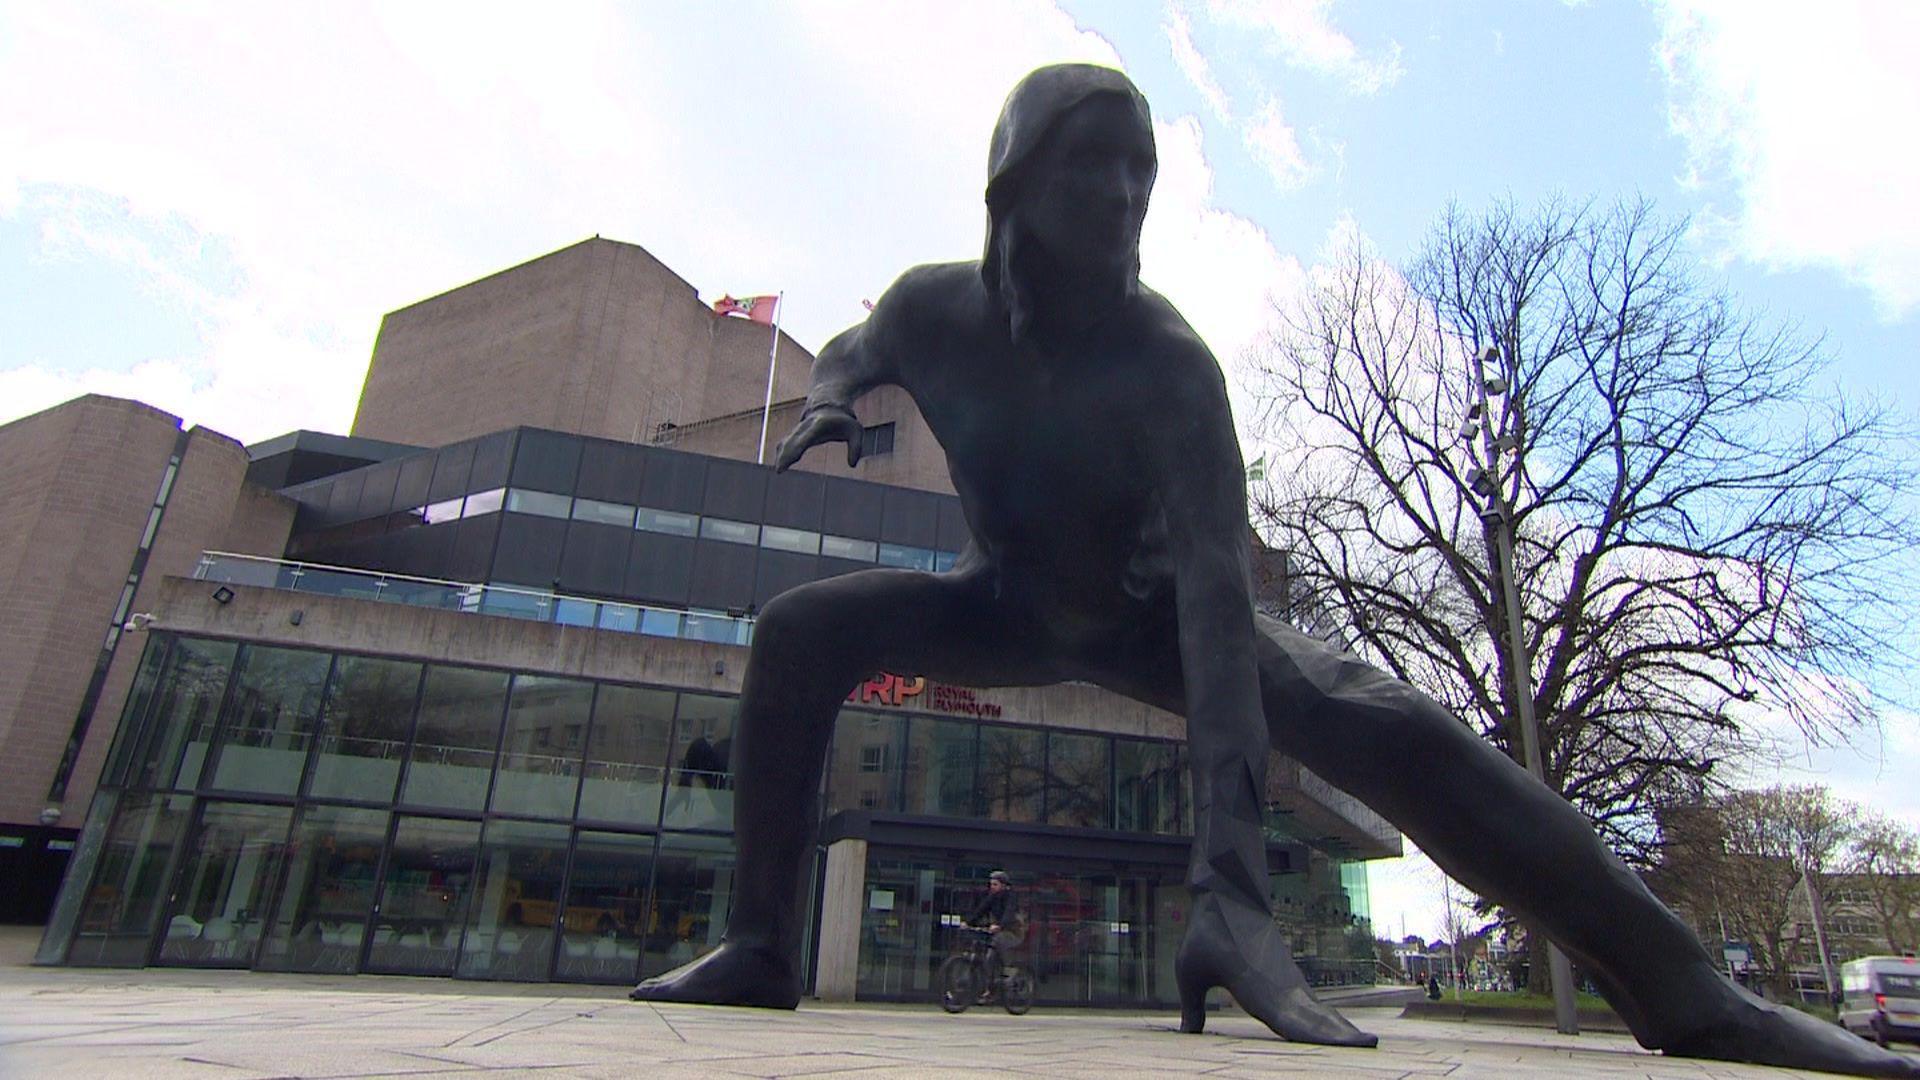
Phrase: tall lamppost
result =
(1484, 478)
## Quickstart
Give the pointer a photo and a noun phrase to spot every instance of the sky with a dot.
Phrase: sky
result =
(209, 206)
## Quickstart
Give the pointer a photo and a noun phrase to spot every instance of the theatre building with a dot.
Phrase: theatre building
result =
(453, 694)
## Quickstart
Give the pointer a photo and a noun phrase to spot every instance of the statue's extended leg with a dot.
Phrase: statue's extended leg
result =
(811, 646)
(1494, 828)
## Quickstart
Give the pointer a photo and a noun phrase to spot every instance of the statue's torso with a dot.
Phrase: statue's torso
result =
(1060, 457)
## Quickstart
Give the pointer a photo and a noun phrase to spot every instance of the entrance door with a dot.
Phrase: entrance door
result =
(219, 903)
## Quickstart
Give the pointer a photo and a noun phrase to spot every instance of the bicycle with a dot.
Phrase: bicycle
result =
(964, 975)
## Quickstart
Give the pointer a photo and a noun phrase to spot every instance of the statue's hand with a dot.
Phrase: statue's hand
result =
(825, 424)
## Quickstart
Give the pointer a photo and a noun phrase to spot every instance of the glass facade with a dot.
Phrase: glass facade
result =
(298, 810)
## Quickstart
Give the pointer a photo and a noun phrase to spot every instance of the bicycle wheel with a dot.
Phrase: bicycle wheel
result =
(959, 984)
(1016, 991)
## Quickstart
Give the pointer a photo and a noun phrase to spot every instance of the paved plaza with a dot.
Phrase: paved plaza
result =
(109, 1024)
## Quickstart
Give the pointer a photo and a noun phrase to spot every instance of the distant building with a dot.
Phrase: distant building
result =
(453, 694)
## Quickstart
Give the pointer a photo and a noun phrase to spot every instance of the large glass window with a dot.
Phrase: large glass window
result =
(123, 904)
(545, 504)
(423, 902)
(606, 513)
(864, 771)
(607, 917)
(455, 737)
(321, 918)
(1146, 777)
(783, 539)
(702, 793)
(846, 547)
(666, 521)
(1078, 775)
(181, 724)
(627, 755)
(540, 753)
(363, 733)
(511, 923)
(271, 717)
(1011, 772)
(939, 769)
(219, 902)
(692, 893)
(733, 532)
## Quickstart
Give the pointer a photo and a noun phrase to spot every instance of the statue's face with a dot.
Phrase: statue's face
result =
(1087, 186)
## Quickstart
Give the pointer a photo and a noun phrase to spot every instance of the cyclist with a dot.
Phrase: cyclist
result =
(999, 913)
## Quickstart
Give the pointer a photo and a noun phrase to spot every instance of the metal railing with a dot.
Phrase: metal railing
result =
(534, 605)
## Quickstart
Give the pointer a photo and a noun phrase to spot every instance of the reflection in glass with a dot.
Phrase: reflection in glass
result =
(570, 612)
(181, 724)
(846, 547)
(1146, 782)
(545, 504)
(139, 700)
(608, 919)
(424, 897)
(863, 772)
(271, 717)
(666, 521)
(540, 753)
(122, 905)
(622, 617)
(363, 733)
(733, 532)
(1011, 776)
(692, 893)
(606, 513)
(455, 737)
(701, 796)
(939, 768)
(778, 538)
(219, 902)
(511, 921)
(627, 755)
(1078, 775)
(322, 914)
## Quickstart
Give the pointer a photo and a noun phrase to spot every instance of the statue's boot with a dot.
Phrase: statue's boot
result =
(1243, 951)
(734, 973)
(1730, 1024)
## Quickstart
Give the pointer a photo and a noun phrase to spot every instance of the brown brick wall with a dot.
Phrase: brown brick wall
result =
(80, 482)
(599, 338)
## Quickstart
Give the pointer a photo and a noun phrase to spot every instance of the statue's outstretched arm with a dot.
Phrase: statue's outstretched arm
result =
(847, 368)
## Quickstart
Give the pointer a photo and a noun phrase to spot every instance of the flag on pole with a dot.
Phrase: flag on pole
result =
(758, 308)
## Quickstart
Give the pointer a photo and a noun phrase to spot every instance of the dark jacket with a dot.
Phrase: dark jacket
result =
(995, 908)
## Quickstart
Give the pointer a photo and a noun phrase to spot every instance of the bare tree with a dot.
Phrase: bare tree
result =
(1883, 863)
(1704, 529)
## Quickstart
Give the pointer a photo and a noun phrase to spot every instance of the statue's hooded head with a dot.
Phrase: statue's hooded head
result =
(1027, 122)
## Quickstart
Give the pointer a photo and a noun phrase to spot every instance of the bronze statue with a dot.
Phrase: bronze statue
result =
(1087, 432)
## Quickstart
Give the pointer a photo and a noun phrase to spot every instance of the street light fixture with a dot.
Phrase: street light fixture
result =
(1484, 480)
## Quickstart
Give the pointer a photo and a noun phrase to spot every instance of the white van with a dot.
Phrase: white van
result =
(1881, 998)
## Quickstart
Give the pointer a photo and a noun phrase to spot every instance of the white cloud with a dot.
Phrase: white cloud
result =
(1193, 64)
(1271, 141)
(1220, 269)
(1304, 35)
(1797, 113)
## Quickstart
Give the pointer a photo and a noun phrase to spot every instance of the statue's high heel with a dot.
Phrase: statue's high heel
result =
(1243, 951)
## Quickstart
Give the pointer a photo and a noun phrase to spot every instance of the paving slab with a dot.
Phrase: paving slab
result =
(102, 1024)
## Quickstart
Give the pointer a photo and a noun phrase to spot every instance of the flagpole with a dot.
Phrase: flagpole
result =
(773, 351)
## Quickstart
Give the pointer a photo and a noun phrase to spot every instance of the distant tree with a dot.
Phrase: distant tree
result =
(1739, 861)
(1702, 524)
(1883, 862)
